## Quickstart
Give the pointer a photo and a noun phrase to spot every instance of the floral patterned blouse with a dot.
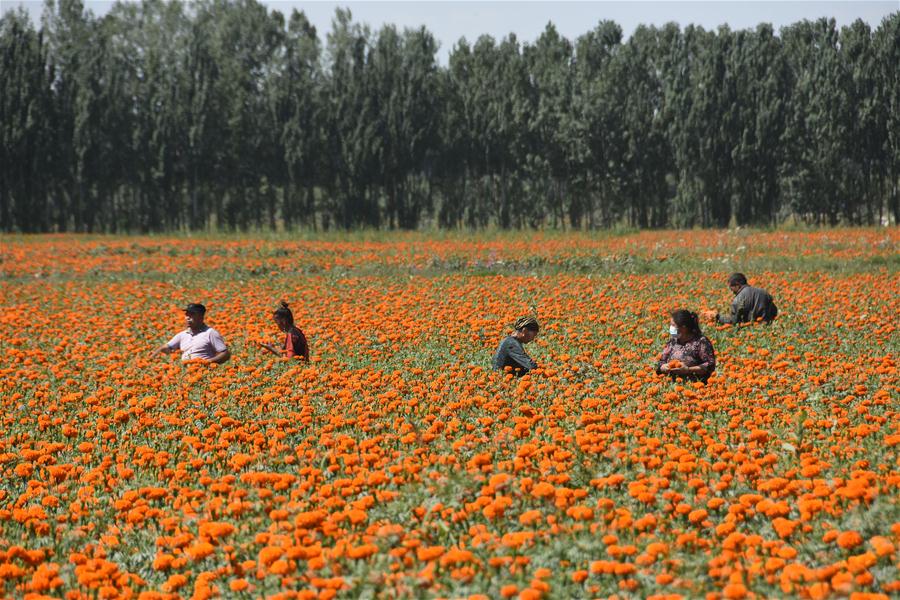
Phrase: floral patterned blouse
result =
(695, 353)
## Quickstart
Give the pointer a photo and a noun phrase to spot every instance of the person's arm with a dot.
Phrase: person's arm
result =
(221, 357)
(707, 358)
(270, 347)
(738, 310)
(499, 356)
(304, 346)
(661, 366)
(517, 353)
(771, 309)
(218, 344)
(289, 345)
(169, 347)
(694, 370)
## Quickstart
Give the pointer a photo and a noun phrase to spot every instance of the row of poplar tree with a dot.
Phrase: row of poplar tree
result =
(223, 114)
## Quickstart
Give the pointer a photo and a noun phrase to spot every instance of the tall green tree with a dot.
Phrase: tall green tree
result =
(167, 115)
(27, 147)
(68, 33)
(596, 128)
(818, 172)
(404, 74)
(548, 170)
(703, 129)
(639, 156)
(145, 68)
(245, 39)
(760, 104)
(351, 128)
(887, 56)
(298, 112)
(469, 143)
(511, 102)
(868, 133)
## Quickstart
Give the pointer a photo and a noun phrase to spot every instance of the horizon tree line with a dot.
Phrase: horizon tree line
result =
(221, 114)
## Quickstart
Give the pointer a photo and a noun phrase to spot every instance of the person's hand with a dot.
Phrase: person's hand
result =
(673, 366)
(270, 347)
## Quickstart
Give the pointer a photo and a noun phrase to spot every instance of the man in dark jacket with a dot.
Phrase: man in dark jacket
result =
(511, 353)
(750, 304)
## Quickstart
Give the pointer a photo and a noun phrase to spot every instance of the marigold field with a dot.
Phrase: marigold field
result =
(397, 464)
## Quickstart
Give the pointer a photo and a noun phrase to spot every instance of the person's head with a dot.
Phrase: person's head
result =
(736, 281)
(526, 329)
(283, 317)
(685, 323)
(194, 315)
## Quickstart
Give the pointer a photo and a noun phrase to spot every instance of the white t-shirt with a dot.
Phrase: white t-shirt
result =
(205, 344)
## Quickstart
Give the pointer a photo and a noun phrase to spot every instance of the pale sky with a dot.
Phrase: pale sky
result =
(449, 21)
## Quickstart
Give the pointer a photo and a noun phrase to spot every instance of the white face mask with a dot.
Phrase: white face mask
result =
(673, 330)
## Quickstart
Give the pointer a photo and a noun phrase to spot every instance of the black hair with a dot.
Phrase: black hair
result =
(737, 279)
(284, 312)
(686, 318)
(194, 308)
(526, 323)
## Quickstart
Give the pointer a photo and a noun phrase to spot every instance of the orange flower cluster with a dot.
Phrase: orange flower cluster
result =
(397, 464)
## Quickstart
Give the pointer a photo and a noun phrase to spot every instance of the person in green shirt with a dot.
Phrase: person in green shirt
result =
(750, 303)
(511, 352)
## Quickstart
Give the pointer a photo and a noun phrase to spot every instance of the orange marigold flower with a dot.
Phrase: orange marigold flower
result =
(200, 550)
(543, 490)
(696, 516)
(849, 539)
(362, 551)
(426, 553)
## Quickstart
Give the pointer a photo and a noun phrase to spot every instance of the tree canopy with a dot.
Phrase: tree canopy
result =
(222, 114)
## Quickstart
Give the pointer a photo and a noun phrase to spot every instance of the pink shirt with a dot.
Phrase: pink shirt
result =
(204, 344)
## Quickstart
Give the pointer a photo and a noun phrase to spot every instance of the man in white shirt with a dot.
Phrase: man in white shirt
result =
(199, 340)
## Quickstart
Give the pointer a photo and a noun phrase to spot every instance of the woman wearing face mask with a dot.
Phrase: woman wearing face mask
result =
(688, 353)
